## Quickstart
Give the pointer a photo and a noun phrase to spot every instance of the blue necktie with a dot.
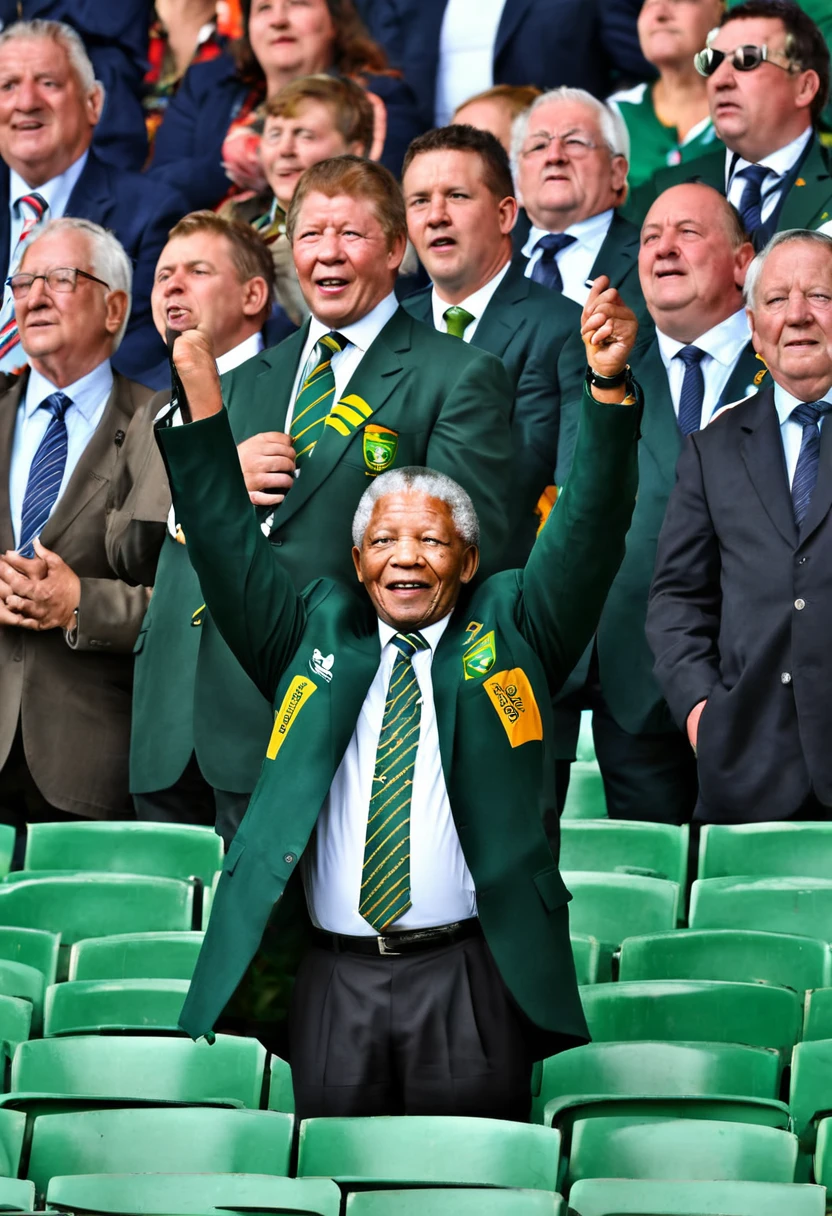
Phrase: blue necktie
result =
(546, 268)
(693, 389)
(751, 203)
(806, 470)
(46, 473)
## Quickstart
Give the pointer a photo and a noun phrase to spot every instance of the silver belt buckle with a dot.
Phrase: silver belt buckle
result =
(384, 949)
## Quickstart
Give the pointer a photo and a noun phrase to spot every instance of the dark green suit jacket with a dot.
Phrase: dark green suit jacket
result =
(806, 202)
(441, 403)
(537, 335)
(493, 728)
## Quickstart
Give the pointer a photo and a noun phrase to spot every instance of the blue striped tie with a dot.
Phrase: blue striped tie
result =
(546, 270)
(751, 202)
(693, 389)
(46, 473)
(806, 469)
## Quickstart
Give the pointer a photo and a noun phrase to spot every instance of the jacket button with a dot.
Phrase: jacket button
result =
(800, 605)
(785, 677)
(289, 858)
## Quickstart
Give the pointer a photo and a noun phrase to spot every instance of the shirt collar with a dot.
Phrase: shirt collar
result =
(589, 232)
(56, 192)
(476, 303)
(360, 333)
(779, 162)
(431, 633)
(784, 402)
(247, 349)
(723, 342)
(86, 394)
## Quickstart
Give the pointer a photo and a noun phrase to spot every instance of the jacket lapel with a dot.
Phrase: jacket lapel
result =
(619, 251)
(743, 379)
(420, 306)
(8, 420)
(92, 196)
(660, 431)
(274, 381)
(762, 453)
(496, 328)
(803, 204)
(510, 20)
(821, 499)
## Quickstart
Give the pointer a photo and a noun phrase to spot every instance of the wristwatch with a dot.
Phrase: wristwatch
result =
(595, 380)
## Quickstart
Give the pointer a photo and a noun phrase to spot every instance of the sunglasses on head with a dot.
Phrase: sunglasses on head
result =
(742, 58)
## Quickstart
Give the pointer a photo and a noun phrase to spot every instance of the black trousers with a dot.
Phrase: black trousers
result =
(432, 1033)
(193, 800)
(21, 802)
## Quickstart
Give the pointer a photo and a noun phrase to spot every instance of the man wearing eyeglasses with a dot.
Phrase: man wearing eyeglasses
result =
(767, 69)
(67, 624)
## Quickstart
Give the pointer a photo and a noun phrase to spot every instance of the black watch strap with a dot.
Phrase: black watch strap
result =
(595, 380)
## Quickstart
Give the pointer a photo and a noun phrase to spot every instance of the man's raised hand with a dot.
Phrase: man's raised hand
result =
(608, 328)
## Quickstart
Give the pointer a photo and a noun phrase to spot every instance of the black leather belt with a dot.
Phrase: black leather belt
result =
(406, 942)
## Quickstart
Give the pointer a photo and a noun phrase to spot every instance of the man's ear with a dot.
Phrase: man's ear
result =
(470, 564)
(95, 103)
(255, 296)
(755, 341)
(356, 561)
(117, 303)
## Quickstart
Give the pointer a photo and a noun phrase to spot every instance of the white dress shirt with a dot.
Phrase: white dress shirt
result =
(576, 261)
(476, 304)
(779, 162)
(791, 431)
(359, 335)
(722, 345)
(466, 53)
(56, 193)
(89, 396)
(441, 886)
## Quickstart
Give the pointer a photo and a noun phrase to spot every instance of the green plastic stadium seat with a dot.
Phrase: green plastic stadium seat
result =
(16, 1195)
(208, 899)
(189, 1139)
(693, 1080)
(50, 1073)
(778, 905)
(614, 906)
(823, 1153)
(801, 850)
(817, 1014)
(694, 1010)
(454, 1202)
(26, 983)
(93, 1006)
(585, 746)
(620, 1197)
(160, 850)
(810, 1096)
(430, 1151)
(585, 798)
(36, 948)
(728, 954)
(15, 1021)
(658, 850)
(645, 1147)
(193, 1193)
(586, 951)
(136, 956)
(12, 1129)
(7, 838)
(281, 1090)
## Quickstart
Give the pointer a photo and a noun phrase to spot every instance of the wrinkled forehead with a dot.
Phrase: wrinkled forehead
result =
(411, 511)
(68, 248)
(806, 263)
(557, 117)
(36, 54)
(750, 31)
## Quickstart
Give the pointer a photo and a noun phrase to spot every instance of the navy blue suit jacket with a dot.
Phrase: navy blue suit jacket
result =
(588, 44)
(140, 213)
(188, 148)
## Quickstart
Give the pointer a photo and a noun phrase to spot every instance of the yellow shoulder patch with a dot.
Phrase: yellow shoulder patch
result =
(298, 692)
(512, 697)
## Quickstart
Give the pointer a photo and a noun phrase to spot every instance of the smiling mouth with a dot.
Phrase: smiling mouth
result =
(330, 284)
(407, 585)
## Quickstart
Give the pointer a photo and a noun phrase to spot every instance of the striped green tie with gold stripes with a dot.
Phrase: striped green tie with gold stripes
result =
(315, 396)
(385, 876)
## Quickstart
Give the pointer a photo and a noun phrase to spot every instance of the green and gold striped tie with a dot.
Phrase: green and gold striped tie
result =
(315, 396)
(385, 876)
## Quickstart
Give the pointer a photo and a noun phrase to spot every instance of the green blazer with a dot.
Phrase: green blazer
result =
(438, 403)
(537, 335)
(806, 203)
(493, 727)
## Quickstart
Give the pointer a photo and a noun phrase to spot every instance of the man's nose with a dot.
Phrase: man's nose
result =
(667, 245)
(798, 311)
(437, 210)
(556, 152)
(407, 552)
(173, 284)
(329, 249)
(37, 294)
(28, 94)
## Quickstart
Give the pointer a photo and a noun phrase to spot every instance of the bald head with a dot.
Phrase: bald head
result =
(692, 260)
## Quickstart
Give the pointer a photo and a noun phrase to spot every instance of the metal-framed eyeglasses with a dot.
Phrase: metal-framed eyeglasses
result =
(575, 143)
(742, 59)
(62, 278)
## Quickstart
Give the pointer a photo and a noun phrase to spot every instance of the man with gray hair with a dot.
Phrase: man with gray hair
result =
(740, 601)
(50, 105)
(67, 625)
(569, 156)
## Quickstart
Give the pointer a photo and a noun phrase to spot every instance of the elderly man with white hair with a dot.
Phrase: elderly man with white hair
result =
(67, 625)
(739, 608)
(50, 105)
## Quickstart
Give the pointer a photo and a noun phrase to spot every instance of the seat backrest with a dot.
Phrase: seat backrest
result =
(614, 906)
(163, 850)
(440, 1150)
(16, 1195)
(802, 850)
(759, 1015)
(585, 798)
(810, 1095)
(817, 1014)
(728, 954)
(36, 948)
(139, 1140)
(651, 1147)
(823, 1153)
(12, 1129)
(586, 952)
(142, 1067)
(193, 1193)
(620, 1196)
(15, 1021)
(779, 905)
(457, 1201)
(619, 845)
(136, 956)
(281, 1089)
(92, 1006)
(7, 839)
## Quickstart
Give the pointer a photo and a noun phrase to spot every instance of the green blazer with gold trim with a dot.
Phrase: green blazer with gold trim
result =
(417, 397)
(493, 717)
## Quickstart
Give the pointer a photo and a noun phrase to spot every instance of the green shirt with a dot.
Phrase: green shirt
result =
(653, 145)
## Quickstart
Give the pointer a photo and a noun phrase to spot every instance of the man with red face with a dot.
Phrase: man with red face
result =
(739, 607)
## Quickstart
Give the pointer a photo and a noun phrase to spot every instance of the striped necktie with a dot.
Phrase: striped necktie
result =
(693, 389)
(751, 201)
(46, 473)
(808, 414)
(316, 396)
(385, 876)
(32, 208)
